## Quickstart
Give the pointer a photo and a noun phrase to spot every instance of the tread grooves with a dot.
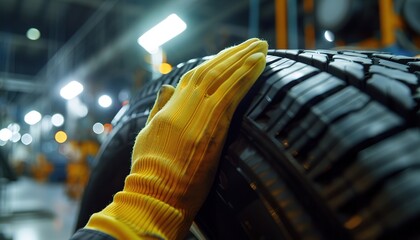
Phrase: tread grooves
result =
(336, 132)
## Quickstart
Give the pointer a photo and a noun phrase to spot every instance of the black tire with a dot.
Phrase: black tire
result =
(325, 146)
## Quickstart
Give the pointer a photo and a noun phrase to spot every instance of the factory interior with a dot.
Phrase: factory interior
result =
(67, 68)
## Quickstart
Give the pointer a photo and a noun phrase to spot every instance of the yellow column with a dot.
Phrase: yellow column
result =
(281, 24)
(308, 9)
(387, 22)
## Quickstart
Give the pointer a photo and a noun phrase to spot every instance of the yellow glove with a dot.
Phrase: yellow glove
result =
(175, 156)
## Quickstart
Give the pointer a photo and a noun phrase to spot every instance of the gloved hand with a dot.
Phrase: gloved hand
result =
(175, 156)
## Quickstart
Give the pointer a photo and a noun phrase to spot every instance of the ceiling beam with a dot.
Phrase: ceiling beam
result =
(124, 40)
(21, 40)
(122, 7)
(19, 83)
(108, 52)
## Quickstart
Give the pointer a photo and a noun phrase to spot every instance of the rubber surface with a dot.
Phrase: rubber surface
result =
(325, 146)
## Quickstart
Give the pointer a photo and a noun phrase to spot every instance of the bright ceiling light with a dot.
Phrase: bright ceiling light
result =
(5, 134)
(164, 31)
(329, 36)
(104, 101)
(57, 120)
(98, 128)
(60, 137)
(71, 90)
(26, 139)
(165, 68)
(15, 137)
(14, 127)
(32, 117)
(33, 34)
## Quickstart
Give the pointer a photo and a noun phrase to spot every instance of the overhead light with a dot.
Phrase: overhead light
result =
(14, 127)
(15, 137)
(5, 134)
(105, 101)
(165, 68)
(329, 36)
(32, 117)
(57, 120)
(164, 31)
(71, 90)
(33, 34)
(98, 128)
(26, 139)
(60, 137)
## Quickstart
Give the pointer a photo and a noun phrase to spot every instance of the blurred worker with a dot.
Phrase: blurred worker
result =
(175, 156)
(42, 168)
(78, 166)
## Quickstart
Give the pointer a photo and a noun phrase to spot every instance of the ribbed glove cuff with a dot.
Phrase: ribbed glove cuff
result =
(132, 214)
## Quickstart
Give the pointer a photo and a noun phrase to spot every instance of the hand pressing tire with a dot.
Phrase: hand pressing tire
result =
(325, 146)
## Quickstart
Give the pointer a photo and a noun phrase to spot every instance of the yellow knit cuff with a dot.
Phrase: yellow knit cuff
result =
(115, 228)
(140, 215)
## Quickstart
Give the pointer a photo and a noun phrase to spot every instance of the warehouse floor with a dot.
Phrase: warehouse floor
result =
(36, 211)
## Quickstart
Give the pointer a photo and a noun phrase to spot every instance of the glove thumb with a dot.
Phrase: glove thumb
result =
(165, 93)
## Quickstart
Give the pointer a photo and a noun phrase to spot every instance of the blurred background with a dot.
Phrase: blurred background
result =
(68, 66)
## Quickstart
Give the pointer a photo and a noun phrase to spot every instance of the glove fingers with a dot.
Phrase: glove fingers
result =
(226, 53)
(165, 93)
(224, 70)
(202, 69)
(222, 104)
(235, 88)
